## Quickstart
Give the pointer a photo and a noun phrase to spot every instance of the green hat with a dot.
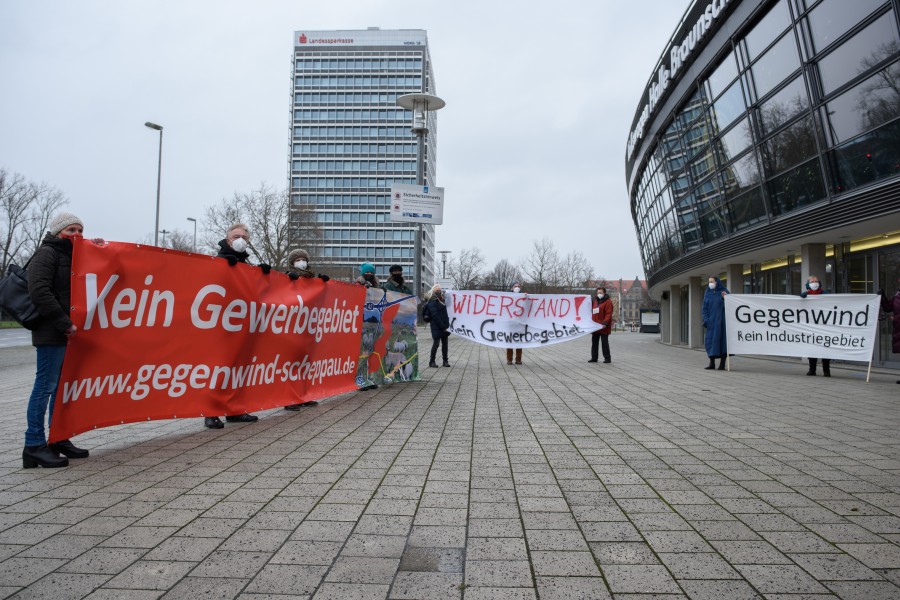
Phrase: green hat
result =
(367, 268)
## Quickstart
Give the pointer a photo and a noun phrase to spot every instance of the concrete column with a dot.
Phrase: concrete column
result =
(695, 313)
(813, 262)
(735, 275)
(665, 322)
(675, 314)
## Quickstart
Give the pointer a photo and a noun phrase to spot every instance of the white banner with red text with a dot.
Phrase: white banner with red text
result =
(839, 326)
(165, 334)
(510, 320)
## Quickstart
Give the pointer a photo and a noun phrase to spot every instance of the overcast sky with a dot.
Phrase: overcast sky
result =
(540, 97)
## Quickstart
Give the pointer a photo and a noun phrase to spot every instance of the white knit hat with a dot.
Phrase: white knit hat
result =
(63, 220)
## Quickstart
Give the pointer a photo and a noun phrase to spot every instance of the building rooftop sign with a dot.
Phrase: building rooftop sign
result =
(361, 37)
(678, 54)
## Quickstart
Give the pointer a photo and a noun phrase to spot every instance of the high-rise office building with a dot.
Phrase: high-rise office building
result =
(350, 141)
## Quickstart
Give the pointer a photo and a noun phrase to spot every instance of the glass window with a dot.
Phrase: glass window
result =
(703, 165)
(741, 175)
(728, 107)
(695, 138)
(789, 102)
(747, 210)
(798, 187)
(832, 18)
(769, 28)
(867, 158)
(870, 46)
(724, 74)
(779, 62)
(871, 103)
(735, 140)
(691, 109)
(789, 147)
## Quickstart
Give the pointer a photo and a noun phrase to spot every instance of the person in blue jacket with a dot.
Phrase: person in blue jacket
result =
(714, 322)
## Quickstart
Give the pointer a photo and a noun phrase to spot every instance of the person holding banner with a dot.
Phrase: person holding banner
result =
(435, 313)
(892, 306)
(298, 266)
(814, 288)
(367, 276)
(602, 313)
(713, 312)
(49, 285)
(517, 289)
(234, 249)
(396, 283)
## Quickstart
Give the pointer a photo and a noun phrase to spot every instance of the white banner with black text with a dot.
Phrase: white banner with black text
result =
(840, 326)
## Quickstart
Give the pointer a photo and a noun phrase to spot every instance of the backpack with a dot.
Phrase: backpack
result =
(15, 299)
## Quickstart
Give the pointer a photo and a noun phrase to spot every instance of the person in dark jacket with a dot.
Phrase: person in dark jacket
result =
(602, 313)
(298, 267)
(814, 288)
(435, 313)
(234, 249)
(49, 285)
(892, 306)
(714, 320)
(396, 283)
(516, 289)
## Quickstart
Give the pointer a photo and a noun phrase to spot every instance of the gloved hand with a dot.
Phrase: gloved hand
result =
(880, 292)
(324, 277)
(265, 268)
(294, 276)
(232, 260)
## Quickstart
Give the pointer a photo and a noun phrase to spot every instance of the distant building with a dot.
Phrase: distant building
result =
(350, 142)
(628, 297)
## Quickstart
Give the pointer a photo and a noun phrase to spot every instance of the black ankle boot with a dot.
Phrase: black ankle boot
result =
(68, 449)
(722, 364)
(712, 363)
(42, 455)
(433, 364)
(446, 363)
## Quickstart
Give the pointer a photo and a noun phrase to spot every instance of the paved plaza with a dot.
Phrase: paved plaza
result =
(558, 479)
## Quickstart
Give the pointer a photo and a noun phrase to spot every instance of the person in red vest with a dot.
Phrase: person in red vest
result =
(814, 288)
(602, 313)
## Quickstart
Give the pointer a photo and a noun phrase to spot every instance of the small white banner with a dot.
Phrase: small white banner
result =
(417, 204)
(509, 320)
(838, 326)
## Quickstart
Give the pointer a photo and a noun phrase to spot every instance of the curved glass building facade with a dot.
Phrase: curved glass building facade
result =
(767, 148)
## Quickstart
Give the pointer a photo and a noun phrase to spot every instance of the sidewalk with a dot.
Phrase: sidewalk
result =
(558, 479)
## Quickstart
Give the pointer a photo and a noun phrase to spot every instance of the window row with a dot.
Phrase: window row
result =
(380, 235)
(365, 254)
(346, 98)
(344, 149)
(341, 200)
(359, 81)
(354, 131)
(305, 183)
(307, 166)
(357, 64)
(375, 114)
(353, 217)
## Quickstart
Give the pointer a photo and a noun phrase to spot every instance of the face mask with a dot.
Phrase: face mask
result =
(599, 295)
(517, 289)
(239, 245)
(712, 286)
(369, 277)
(397, 277)
(300, 264)
(814, 286)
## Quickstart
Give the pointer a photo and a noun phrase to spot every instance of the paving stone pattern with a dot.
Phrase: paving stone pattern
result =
(646, 478)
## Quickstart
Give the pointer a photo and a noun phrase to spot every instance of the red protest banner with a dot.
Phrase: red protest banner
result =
(164, 334)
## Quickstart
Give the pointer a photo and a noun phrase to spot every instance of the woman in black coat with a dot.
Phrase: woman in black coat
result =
(435, 313)
(49, 284)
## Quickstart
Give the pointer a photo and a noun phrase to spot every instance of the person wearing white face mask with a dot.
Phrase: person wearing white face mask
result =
(814, 288)
(602, 313)
(234, 249)
(299, 268)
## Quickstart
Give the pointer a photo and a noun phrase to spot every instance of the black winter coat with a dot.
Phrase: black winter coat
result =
(50, 286)
(435, 312)
(225, 251)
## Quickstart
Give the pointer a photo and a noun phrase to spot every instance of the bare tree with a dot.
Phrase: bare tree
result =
(25, 211)
(502, 276)
(574, 272)
(180, 240)
(305, 232)
(264, 211)
(541, 266)
(466, 269)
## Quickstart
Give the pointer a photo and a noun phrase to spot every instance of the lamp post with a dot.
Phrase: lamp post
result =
(158, 179)
(420, 104)
(444, 254)
(164, 232)
(194, 221)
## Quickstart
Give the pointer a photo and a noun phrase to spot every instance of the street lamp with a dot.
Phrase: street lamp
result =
(164, 232)
(444, 254)
(158, 179)
(420, 104)
(194, 221)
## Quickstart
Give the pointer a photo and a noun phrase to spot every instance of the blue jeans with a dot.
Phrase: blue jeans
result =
(49, 368)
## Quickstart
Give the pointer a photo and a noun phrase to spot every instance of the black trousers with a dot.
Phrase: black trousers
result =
(598, 339)
(443, 342)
